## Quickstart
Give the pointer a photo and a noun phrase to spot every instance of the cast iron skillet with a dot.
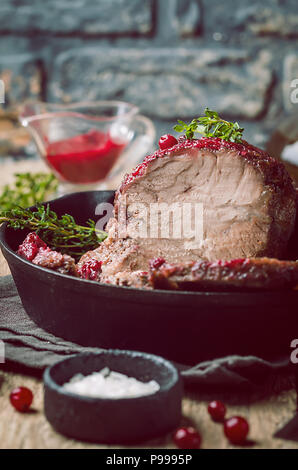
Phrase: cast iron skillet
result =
(184, 326)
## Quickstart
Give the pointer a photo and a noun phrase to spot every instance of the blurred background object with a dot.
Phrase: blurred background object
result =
(283, 144)
(171, 58)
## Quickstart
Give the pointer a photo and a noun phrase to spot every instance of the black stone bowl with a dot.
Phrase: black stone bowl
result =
(187, 327)
(114, 421)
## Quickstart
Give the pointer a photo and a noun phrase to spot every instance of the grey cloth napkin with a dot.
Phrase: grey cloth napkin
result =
(31, 347)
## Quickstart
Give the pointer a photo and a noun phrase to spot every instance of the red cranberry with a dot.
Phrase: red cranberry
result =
(21, 398)
(236, 429)
(30, 246)
(91, 269)
(187, 438)
(217, 410)
(156, 263)
(167, 141)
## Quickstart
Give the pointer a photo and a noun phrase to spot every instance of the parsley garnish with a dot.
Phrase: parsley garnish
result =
(211, 125)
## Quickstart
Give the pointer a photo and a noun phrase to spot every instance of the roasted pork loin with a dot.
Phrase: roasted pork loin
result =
(248, 201)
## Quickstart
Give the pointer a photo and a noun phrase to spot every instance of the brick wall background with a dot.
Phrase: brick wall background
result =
(170, 57)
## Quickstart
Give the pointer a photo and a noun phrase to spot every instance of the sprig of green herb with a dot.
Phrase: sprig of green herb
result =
(211, 125)
(62, 234)
(28, 190)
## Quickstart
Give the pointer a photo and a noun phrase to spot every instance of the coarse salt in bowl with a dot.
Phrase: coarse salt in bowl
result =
(110, 384)
(83, 401)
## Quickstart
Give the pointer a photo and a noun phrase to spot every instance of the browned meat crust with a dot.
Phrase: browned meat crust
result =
(254, 273)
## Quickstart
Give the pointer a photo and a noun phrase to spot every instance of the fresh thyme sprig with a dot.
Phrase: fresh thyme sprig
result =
(62, 234)
(211, 125)
(27, 190)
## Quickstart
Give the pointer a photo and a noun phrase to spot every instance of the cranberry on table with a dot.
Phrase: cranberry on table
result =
(21, 398)
(236, 429)
(187, 438)
(167, 141)
(217, 410)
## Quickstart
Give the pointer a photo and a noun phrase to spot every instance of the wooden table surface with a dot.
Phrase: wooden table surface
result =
(32, 431)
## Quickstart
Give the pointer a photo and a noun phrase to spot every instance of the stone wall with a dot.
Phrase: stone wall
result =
(170, 57)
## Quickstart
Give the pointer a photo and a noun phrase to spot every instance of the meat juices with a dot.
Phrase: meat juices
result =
(248, 199)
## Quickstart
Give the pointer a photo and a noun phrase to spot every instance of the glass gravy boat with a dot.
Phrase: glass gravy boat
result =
(89, 145)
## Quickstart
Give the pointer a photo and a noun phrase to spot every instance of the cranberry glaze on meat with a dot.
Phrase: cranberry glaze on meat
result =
(248, 200)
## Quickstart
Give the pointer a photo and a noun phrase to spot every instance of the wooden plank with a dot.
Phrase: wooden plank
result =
(32, 431)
